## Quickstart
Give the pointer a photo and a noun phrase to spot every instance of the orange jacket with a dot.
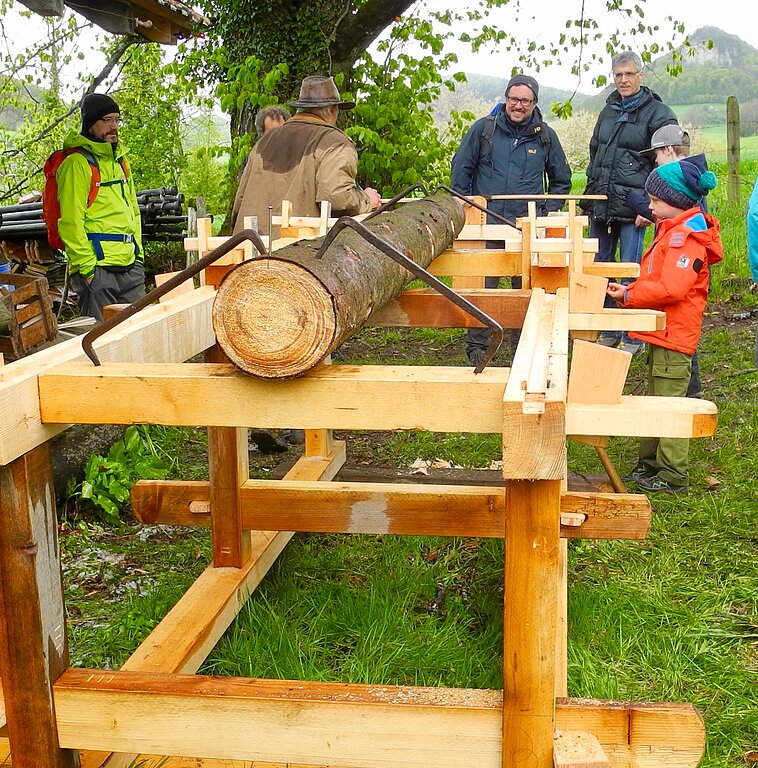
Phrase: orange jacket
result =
(674, 278)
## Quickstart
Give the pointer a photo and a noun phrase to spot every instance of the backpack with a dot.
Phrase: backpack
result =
(51, 210)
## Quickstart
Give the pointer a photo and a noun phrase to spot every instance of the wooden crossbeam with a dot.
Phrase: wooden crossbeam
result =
(173, 331)
(287, 721)
(439, 399)
(534, 409)
(395, 508)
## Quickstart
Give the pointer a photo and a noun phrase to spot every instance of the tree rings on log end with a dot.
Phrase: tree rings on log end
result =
(273, 318)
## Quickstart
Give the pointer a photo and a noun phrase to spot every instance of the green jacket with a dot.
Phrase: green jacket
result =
(114, 210)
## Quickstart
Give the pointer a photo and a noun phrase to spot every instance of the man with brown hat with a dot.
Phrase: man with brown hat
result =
(102, 232)
(306, 161)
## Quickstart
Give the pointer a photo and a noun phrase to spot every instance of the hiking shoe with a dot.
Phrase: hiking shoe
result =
(475, 356)
(657, 484)
(640, 471)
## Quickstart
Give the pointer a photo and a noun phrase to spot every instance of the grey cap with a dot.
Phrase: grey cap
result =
(526, 80)
(672, 135)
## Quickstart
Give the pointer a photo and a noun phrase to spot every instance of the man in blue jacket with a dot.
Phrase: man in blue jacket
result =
(512, 151)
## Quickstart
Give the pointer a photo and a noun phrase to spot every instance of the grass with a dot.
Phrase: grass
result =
(671, 618)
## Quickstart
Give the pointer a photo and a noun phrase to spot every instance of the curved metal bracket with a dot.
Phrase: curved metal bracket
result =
(170, 284)
(476, 205)
(496, 337)
(394, 200)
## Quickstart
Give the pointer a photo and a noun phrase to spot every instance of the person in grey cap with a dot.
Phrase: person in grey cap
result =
(305, 161)
(618, 164)
(102, 233)
(511, 151)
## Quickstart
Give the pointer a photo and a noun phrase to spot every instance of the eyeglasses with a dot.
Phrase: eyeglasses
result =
(624, 75)
(112, 120)
(511, 101)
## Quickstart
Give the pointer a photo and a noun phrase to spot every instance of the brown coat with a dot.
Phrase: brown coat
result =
(305, 161)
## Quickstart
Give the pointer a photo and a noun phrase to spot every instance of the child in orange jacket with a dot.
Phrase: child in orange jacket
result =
(673, 279)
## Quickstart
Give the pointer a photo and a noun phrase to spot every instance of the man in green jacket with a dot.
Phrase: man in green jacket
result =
(103, 240)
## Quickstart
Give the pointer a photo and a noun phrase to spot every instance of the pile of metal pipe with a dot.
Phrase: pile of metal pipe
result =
(160, 209)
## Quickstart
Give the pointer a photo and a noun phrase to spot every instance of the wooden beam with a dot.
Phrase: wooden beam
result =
(379, 397)
(534, 445)
(426, 308)
(342, 724)
(396, 508)
(174, 332)
(616, 319)
(33, 643)
(531, 617)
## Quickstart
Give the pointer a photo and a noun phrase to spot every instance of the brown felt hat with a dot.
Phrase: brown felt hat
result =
(318, 91)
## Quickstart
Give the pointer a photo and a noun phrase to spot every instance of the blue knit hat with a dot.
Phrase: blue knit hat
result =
(680, 184)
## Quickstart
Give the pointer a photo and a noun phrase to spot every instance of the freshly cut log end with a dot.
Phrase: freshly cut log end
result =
(274, 318)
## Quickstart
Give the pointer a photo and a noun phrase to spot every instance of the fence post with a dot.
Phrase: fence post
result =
(733, 149)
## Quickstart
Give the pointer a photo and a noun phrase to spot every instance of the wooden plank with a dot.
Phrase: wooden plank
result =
(618, 319)
(612, 269)
(172, 332)
(375, 397)
(531, 612)
(397, 508)
(586, 292)
(598, 373)
(33, 643)
(534, 444)
(425, 308)
(578, 749)
(439, 399)
(342, 724)
(185, 287)
(475, 263)
(475, 279)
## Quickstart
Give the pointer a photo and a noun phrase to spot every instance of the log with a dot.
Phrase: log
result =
(278, 317)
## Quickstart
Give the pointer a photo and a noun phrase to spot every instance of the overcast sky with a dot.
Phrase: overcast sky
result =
(534, 20)
(544, 21)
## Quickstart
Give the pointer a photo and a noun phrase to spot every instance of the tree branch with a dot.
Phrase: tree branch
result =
(356, 32)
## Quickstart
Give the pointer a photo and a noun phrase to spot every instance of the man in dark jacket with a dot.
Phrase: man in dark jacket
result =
(510, 152)
(623, 132)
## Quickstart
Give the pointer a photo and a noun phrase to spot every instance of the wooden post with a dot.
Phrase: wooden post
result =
(532, 531)
(33, 648)
(733, 149)
(228, 469)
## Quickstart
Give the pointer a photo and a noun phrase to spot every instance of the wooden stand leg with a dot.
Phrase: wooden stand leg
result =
(228, 469)
(532, 533)
(33, 647)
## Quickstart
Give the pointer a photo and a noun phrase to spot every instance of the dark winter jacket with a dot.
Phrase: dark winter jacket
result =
(639, 202)
(616, 165)
(515, 161)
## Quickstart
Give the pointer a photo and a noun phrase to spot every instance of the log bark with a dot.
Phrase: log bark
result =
(279, 317)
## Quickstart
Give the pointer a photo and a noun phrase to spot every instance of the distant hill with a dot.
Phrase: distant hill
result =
(710, 74)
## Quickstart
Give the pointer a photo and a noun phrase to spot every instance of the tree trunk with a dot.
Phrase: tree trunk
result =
(279, 317)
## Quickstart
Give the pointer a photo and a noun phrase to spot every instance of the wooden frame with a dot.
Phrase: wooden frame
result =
(157, 705)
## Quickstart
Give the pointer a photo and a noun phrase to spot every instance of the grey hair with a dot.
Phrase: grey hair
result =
(627, 56)
(275, 113)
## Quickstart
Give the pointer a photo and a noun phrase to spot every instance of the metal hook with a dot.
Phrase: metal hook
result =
(496, 336)
(476, 205)
(392, 201)
(170, 284)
